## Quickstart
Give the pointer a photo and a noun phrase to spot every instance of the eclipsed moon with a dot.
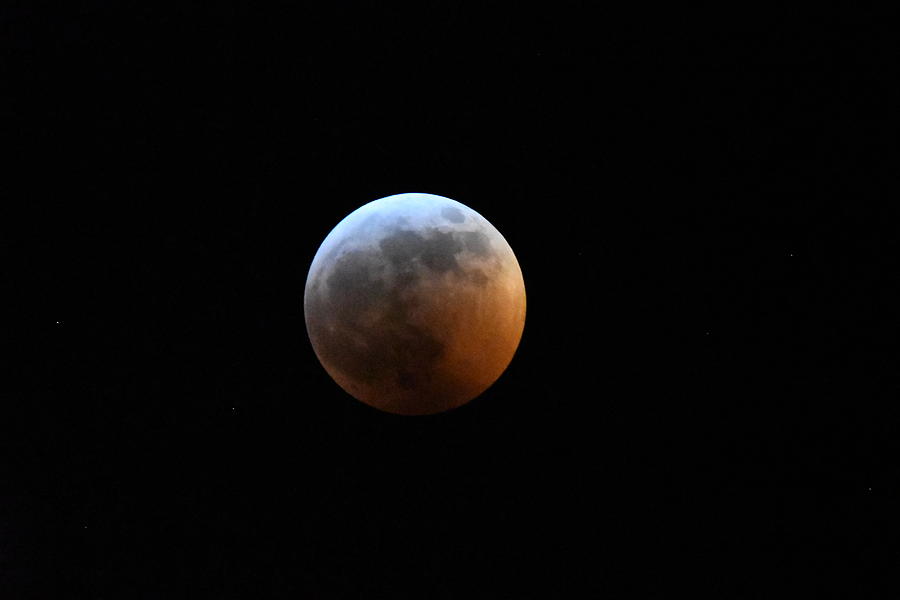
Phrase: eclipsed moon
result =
(414, 304)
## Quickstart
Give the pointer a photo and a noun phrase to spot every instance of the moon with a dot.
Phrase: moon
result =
(414, 304)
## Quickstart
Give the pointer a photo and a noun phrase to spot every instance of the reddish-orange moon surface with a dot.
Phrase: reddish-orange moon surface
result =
(414, 304)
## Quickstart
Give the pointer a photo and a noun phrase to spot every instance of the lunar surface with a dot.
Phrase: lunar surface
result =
(415, 304)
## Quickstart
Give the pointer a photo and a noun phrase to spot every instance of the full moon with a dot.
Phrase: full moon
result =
(414, 304)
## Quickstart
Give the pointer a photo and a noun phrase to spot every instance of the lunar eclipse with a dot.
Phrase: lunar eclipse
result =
(415, 304)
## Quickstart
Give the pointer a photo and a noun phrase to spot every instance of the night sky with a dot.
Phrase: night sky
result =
(705, 398)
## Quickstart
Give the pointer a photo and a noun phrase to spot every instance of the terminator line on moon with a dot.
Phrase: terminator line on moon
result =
(414, 304)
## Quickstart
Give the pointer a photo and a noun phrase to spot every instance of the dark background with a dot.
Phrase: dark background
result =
(704, 209)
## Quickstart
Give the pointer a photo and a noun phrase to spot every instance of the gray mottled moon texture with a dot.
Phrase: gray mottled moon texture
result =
(414, 304)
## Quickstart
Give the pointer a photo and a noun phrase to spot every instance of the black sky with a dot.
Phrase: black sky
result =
(705, 397)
